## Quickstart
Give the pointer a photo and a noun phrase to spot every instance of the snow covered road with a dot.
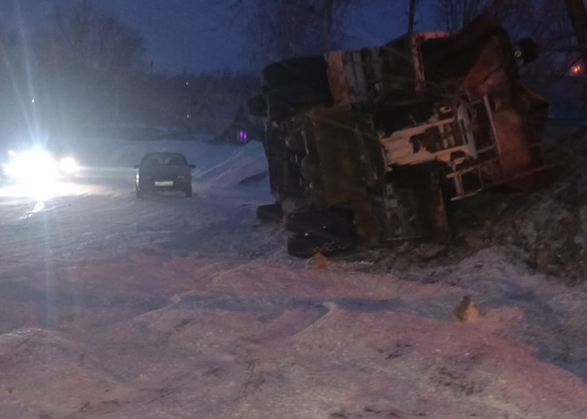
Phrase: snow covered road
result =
(98, 211)
(174, 308)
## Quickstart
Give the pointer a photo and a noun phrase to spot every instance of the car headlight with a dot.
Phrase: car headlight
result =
(35, 165)
(68, 166)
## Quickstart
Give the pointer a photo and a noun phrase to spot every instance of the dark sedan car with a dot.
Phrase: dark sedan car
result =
(160, 172)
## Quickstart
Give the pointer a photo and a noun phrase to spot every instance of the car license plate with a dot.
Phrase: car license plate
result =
(166, 183)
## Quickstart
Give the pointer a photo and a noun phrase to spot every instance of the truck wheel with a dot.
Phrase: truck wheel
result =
(270, 213)
(295, 70)
(307, 245)
(335, 220)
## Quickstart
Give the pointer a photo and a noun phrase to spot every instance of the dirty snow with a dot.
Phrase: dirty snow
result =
(113, 307)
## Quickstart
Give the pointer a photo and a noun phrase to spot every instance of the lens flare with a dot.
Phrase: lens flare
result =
(68, 166)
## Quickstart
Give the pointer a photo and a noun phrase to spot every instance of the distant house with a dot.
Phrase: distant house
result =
(243, 128)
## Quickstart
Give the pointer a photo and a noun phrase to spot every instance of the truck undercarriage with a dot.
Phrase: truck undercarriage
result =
(367, 146)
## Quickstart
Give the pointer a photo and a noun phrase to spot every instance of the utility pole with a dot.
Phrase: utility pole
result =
(412, 16)
(117, 104)
(117, 99)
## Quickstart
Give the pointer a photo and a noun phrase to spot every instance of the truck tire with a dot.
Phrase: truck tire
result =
(334, 220)
(283, 102)
(304, 69)
(307, 245)
(270, 213)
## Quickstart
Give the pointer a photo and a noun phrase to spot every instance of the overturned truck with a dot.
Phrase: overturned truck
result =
(368, 146)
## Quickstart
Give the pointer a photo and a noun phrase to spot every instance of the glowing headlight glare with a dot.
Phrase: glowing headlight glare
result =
(32, 166)
(68, 166)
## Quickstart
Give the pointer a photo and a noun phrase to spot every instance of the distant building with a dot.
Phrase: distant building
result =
(243, 129)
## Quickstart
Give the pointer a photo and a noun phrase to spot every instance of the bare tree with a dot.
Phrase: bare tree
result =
(96, 38)
(458, 13)
(545, 21)
(283, 28)
(578, 16)
(412, 15)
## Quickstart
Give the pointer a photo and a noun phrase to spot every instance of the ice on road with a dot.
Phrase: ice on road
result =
(113, 307)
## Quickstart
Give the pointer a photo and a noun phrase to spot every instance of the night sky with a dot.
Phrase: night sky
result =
(199, 36)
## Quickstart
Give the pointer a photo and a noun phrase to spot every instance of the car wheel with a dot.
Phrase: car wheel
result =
(308, 244)
(189, 191)
(270, 213)
(140, 193)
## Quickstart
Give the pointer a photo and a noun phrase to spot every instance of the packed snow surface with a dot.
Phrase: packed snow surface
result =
(114, 307)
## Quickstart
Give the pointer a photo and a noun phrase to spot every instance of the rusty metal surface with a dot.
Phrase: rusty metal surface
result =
(337, 78)
(337, 155)
(409, 119)
(491, 173)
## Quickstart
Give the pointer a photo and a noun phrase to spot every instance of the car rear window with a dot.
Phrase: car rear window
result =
(164, 160)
